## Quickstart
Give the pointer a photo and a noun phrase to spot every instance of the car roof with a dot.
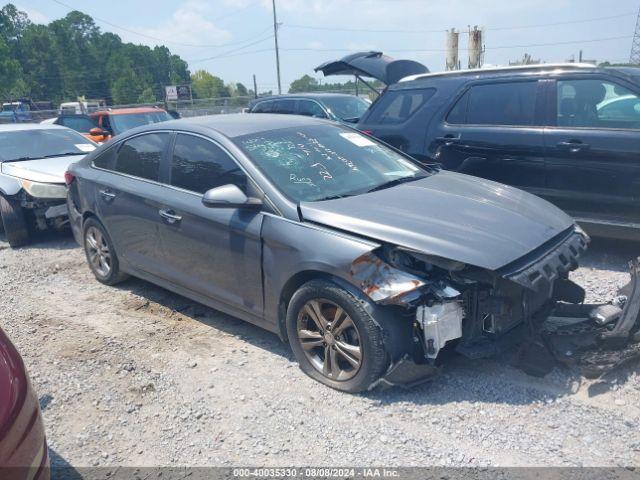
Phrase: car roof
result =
(496, 71)
(127, 111)
(234, 124)
(318, 95)
(19, 127)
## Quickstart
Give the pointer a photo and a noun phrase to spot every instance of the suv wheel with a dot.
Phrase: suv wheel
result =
(334, 339)
(101, 256)
(13, 222)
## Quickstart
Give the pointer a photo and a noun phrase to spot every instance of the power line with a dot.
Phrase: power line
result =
(497, 47)
(521, 27)
(157, 39)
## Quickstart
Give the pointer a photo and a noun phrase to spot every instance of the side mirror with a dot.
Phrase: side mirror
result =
(98, 132)
(229, 196)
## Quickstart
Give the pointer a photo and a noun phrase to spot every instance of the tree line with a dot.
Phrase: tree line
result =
(72, 57)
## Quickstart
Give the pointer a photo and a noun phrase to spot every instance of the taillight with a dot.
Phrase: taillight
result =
(69, 178)
(367, 132)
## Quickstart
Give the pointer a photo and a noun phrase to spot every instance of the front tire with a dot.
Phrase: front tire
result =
(333, 337)
(14, 222)
(100, 253)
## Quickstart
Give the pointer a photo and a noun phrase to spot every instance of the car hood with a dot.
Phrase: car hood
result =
(373, 65)
(46, 170)
(450, 215)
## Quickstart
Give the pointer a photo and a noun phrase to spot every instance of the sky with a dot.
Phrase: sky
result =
(233, 39)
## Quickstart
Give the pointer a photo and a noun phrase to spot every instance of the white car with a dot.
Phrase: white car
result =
(33, 161)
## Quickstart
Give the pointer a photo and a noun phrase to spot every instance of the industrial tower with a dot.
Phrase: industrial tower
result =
(634, 58)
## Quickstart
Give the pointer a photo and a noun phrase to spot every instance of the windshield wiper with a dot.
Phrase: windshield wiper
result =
(64, 154)
(334, 197)
(397, 181)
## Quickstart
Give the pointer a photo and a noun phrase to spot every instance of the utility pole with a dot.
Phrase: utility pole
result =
(255, 87)
(275, 35)
(634, 58)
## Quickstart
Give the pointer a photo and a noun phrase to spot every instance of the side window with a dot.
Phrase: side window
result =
(458, 114)
(198, 165)
(502, 104)
(287, 106)
(141, 156)
(396, 106)
(596, 104)
(310, 108)
(105, 159)
(263, 107)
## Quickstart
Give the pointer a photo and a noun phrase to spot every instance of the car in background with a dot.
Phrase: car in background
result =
(23, 446)
(117, 121)
(15, 112)
(82, 124)
(368, 263)
(33, 161)
(338, 107)
(81, 107)
(569, 133)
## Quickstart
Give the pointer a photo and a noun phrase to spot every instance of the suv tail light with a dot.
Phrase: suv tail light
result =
(69, 178)
(367, 132)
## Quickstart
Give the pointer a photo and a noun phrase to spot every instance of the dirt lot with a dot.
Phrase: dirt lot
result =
(135, 375)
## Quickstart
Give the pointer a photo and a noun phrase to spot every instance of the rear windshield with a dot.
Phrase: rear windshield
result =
(396, 106)
(346, 108)
(42, 143)
(128, 121)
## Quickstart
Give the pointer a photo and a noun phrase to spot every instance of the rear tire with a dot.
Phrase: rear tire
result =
(14, 222)
(100, 253)
(346, 334)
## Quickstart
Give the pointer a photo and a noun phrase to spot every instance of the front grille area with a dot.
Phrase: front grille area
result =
(539, 269)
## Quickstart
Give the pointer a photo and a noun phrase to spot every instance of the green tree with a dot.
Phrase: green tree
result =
(147, 96)
(206, 85)
(303, 84)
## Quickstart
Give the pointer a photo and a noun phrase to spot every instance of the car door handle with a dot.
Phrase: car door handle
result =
(574, 146)
(107, 195)
(170, 216)
(449, 139)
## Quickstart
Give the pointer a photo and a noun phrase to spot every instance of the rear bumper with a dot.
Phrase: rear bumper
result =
(75, 220)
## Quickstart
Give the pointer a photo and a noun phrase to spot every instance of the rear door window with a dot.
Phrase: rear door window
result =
(512, 104)
(396, 106)
(198, 165)
(141, 156)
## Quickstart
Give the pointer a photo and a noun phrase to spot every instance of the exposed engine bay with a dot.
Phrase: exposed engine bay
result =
(529, 304)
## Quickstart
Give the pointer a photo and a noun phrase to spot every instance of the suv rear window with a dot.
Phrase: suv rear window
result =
(396, 106)
(496, 104)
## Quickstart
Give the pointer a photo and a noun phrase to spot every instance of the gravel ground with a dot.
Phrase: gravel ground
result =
(135, 375)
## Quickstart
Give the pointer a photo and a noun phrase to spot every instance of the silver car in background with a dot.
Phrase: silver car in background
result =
(33, 161)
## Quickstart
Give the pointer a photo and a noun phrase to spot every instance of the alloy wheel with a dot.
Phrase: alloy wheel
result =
(98, 251)
(330, 339)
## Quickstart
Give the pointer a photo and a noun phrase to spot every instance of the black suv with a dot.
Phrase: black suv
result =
(569, 133)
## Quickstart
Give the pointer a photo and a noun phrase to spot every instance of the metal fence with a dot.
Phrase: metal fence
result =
(186, 108)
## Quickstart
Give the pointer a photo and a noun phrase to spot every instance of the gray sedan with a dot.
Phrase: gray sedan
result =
(368, 263)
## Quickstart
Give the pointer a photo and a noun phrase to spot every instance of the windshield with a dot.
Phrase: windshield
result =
(325, 161)
(346, 107)
(41, 143)
(127, 121)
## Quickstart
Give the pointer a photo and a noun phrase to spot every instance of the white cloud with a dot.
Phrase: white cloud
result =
(187, 25)
(34, 15)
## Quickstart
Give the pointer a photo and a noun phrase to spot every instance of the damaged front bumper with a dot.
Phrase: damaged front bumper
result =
(597, 338)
